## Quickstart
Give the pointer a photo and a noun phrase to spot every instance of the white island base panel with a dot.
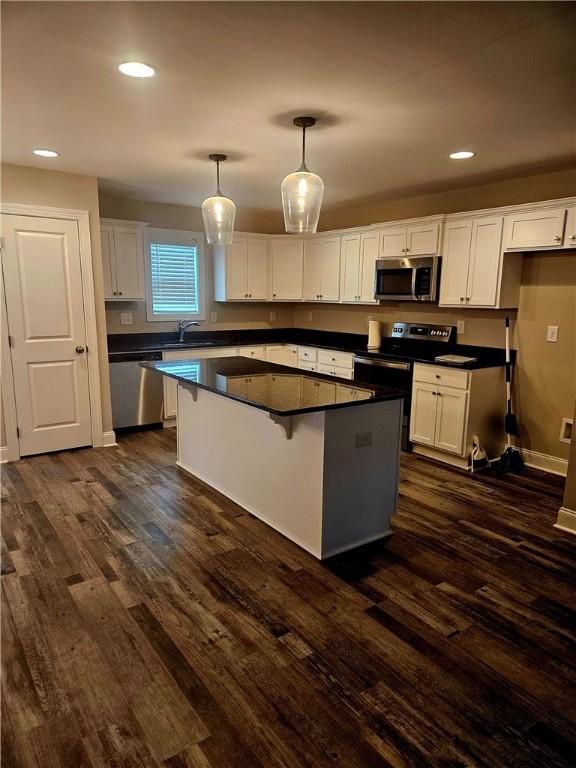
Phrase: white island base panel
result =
(318, 488)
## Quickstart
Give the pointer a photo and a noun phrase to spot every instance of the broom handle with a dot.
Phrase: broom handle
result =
(508, 378)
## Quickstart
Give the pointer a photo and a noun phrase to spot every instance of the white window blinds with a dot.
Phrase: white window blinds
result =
(174, 278)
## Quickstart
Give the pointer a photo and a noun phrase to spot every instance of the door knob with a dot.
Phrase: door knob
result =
(80, 350)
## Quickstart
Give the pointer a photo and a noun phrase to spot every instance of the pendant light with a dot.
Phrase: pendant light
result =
(218, 212)
(302, 191)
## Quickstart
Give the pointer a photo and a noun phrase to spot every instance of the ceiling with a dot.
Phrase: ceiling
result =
(397, 86)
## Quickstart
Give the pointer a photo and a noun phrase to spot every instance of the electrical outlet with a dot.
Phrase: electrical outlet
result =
(566, 430)
(309, 317)
(460, 326)
(272, 316)
(126, 318)
(370, 318)
(363, 439)
(213, 317)
(552, 333)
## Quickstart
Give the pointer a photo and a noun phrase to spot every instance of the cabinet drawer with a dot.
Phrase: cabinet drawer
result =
(334, 370)
(436, 374)
(305, 366)
(259, 353)
(308, 354)
(339, 359)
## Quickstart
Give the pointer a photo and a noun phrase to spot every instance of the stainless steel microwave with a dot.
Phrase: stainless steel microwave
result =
(407, 279)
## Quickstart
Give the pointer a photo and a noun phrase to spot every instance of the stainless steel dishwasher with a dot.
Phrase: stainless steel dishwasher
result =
(137, 394)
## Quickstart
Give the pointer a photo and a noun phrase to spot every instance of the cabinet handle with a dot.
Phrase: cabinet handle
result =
(80, 350)
(461, 299)
(439, 394)
(273, 295)
(120, 293)
(557, 238)
(434, 393)
(245, 295)
(407, 250)
(571, 237)
(467, 299)
(437, 375)
(115, 293)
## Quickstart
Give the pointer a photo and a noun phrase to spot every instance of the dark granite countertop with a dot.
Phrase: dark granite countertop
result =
(355, 343)
(277, 389)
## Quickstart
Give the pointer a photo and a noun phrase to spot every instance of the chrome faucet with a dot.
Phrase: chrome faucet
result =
(182, 326)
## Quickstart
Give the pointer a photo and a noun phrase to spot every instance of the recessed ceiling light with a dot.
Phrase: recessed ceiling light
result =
(45, 153)
(464, 155)
(137, 69)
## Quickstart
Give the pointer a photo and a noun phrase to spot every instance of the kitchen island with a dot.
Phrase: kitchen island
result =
(314, 457)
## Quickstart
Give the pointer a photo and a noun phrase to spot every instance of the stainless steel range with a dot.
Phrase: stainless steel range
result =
(392, 365)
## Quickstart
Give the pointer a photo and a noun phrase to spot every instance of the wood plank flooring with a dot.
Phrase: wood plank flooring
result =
(148, 621)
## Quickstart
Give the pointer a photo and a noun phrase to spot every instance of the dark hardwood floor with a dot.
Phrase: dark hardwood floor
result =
(147, 621)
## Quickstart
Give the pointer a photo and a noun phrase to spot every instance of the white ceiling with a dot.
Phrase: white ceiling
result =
(399, 86)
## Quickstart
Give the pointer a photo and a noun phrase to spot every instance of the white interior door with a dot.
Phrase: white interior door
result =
(46, 323)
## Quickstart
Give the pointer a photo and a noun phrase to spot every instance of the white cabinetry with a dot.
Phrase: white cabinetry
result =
(287, 259)
(475, 272)
(420, 239)
(570, 231)
(275, 354)
(359, 253)
(291, 355)
(241, 270)
(257, 352)
(536, 229)
(322, 269)
(122, 259)
(450, 406)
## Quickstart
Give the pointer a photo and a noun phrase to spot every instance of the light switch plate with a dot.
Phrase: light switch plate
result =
(552, 333)
(126, 318)
(363, 439)
(272, 316)
(460, 326)
(213, 317)
(309, 317)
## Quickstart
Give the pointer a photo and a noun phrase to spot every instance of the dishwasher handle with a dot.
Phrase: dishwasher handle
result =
(383, 363)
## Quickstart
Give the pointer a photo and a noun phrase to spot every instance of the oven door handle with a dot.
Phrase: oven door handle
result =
(382, 363)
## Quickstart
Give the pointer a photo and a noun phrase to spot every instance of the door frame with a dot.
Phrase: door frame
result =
(82, 218)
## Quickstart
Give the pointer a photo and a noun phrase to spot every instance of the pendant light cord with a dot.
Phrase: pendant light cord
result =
(303, 166)
(218, 178)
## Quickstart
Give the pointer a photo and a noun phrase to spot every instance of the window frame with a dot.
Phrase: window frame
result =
(174, 237)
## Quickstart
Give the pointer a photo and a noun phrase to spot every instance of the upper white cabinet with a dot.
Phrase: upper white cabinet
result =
(241, 270)
(287, 262)
(420, 239)
(122, 259)
(475, 272)
(322, 269)
(570, 231)
(535, 229)
(359, 253)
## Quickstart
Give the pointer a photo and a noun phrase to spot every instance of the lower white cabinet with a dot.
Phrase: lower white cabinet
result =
(170, 386)
(291, 355)
(275, 354)
(258, 352)
(450, 406)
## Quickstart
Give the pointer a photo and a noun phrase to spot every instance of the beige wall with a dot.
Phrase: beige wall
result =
(546, 186)
(37, 186)
(230, 316)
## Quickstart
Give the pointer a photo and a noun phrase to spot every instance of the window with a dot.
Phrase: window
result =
(175, 275)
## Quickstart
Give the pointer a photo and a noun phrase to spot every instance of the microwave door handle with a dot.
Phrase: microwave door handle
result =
(414, 270)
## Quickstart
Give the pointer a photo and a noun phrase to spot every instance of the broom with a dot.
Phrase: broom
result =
(511, 460)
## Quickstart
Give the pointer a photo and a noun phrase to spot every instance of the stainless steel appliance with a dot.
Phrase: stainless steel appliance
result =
(137, 393)
(407, 279)
(393, 364)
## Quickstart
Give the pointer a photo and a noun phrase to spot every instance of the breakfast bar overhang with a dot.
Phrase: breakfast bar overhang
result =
(314, 457)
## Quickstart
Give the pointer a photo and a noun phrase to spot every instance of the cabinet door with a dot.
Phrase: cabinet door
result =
(350, 268)
(129, 252)
(423, 413)
(313, 270)
(455, 261)
(330, 285)
(570, 234)
(537, 229)
(256, 352)
(275, 354)
(257, 390)
(284, 392)
(287, 266)
(236, 280)
(291, 355)
(257, 270)
(393, 242)
(368, 257)
(450, 419)
(108, 264)
(422, 240)
(484, 269)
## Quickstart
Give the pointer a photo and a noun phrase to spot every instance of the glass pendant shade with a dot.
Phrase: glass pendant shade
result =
(302, 191)
(218, 212)
(302, 194)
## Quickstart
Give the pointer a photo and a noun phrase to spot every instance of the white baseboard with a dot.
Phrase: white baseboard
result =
(108, 439)
(3, 454)
(545, 462)
(566, 520)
